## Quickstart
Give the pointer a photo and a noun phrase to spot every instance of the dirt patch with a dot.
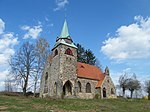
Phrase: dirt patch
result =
(38, 106)
(147, 106)
(3, 108)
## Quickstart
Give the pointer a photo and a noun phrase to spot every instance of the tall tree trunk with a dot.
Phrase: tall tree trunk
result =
(149, 96)
(24, 91)
(131, 94)
(25, 85)
(35, 84)
(123, 91)
(26, 79)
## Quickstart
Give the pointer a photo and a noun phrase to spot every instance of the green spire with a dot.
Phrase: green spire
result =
(64, 32)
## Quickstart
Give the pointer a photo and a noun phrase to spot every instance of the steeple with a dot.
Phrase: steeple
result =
(64, 32)
(64, 37)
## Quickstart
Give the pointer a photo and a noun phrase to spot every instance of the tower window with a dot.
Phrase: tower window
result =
(56, 52)
(69, 52)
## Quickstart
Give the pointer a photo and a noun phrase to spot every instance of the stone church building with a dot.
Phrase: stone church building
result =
(63, 76)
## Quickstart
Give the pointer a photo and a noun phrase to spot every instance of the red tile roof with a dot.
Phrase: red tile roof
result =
(90, 72)
(100, 82)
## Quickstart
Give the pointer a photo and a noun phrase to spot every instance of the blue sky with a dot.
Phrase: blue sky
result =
(117, 31)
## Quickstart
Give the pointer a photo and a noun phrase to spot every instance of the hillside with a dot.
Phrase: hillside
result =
(20, 103)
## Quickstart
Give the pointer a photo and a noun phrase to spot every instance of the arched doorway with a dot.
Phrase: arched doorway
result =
(104, 92)
(67, 88)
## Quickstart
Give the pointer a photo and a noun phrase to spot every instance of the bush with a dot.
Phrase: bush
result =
(145, 97)
(97, 96)
(112, 97)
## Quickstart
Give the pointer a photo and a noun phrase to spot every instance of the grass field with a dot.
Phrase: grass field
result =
(23, 104)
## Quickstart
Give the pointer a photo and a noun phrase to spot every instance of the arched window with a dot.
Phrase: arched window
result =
(56, 52)
(112, 91)
(79, 86)
(46, 78)
(68, 51)
(88, 88)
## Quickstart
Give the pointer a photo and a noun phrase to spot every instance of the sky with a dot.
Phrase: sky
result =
(117, 31)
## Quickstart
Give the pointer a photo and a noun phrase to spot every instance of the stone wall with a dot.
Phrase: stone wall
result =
(44, 85)
(83, 93)
(68, 66)
(63, 68)
(110, 88)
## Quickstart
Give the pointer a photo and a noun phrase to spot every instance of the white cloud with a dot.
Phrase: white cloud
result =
(130, 42)
(32, 32)
(61, 4)
(2, 26)
(7, 43)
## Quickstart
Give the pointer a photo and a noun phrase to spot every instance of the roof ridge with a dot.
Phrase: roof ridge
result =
(88, 64)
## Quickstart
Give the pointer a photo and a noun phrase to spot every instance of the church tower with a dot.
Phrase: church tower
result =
(63, 65)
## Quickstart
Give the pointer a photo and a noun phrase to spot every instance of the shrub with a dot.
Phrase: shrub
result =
(145, 97)
(112, 97)
(97, 96)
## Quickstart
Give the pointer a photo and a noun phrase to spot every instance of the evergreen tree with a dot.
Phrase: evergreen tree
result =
(89, 57)
(80, 53)
(85, 56)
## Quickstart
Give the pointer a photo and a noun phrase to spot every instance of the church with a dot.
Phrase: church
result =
(64, 77)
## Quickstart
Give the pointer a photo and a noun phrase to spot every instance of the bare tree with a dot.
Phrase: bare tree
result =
(147, 87)
(42, 53)
(123, 81)
(22, 65)
(133, 84)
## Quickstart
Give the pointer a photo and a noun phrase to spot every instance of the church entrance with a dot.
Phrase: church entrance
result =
(67, 88)
(104, 92)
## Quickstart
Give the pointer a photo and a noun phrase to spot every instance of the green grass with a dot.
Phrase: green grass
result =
(23, 104)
